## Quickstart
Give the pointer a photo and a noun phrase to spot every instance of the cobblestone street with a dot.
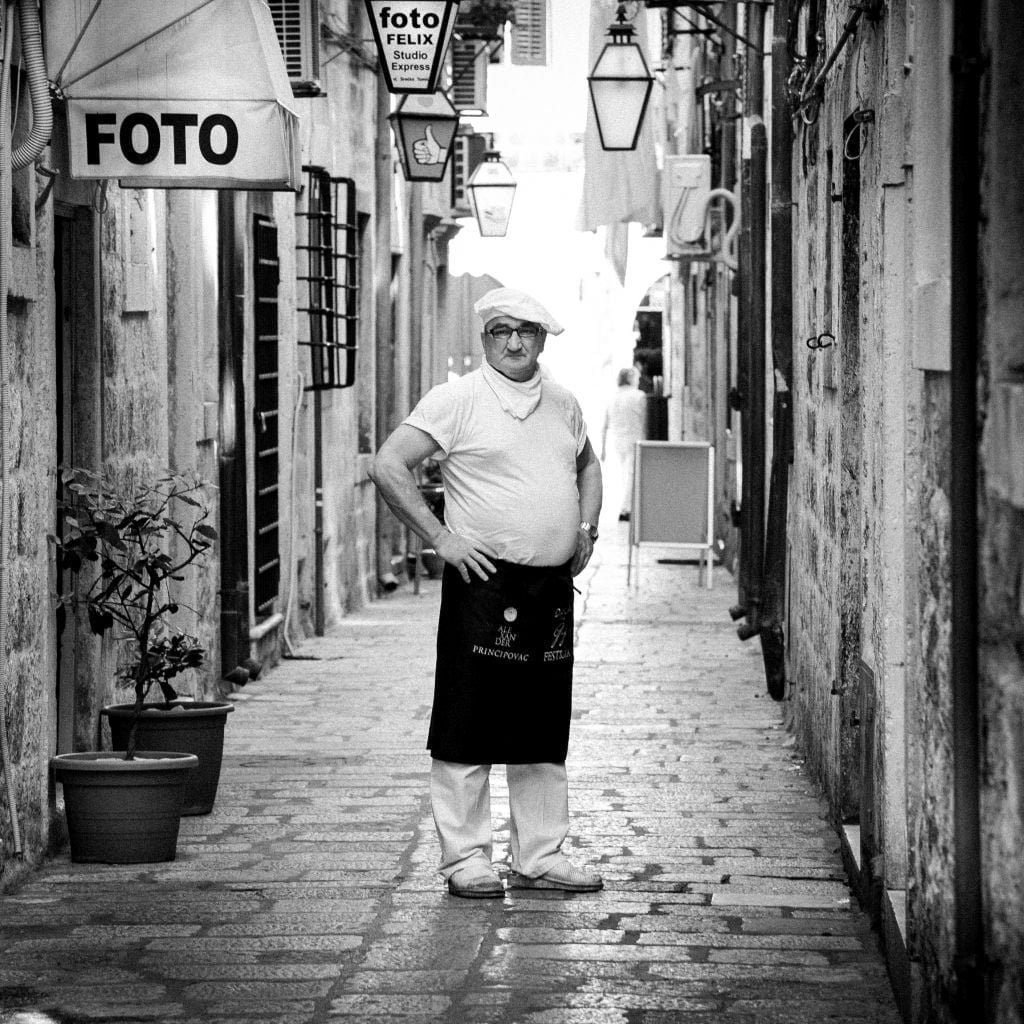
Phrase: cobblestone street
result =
(310, 893)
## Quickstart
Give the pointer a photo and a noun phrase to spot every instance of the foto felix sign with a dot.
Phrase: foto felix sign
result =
(412, 37)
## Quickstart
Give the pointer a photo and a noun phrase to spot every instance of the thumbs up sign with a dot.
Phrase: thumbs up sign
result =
(428, 150)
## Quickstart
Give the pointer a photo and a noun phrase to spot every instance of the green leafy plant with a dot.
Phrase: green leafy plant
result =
(128, 547)
(488, 15)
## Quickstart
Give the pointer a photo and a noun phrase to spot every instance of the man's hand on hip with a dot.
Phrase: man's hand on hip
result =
(466, 555)
(584, 549)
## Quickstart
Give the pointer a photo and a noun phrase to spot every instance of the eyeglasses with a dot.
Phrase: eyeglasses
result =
(527, 332)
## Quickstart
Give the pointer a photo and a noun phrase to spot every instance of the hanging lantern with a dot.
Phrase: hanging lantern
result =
(620, 86)
(491, 190)
(412, 37)
(425, 129)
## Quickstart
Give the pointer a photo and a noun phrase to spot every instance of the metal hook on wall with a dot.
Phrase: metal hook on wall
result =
(859, 119)
(727, 253)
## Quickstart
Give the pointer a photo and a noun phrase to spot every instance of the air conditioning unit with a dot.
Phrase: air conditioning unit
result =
(686, 185)
(298, 32)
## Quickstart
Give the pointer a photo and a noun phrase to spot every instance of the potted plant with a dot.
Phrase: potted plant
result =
(484, 19)
(128, 548)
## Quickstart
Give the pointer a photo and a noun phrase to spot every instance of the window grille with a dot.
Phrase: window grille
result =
(327, 262)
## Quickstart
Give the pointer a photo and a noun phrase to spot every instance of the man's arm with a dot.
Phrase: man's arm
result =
(589, 484)
(392, 473)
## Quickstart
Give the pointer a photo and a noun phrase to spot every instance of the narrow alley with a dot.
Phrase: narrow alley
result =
(310, 894)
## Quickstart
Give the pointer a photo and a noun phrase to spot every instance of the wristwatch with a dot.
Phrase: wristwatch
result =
(589, 529)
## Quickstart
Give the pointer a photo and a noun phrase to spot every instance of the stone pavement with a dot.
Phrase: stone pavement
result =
(310, 893)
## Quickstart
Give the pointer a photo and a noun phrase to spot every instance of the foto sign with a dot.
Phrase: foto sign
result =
(412, 37)
(180, 143)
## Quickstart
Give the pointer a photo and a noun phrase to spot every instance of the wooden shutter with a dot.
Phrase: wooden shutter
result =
(469, 151)
(469, 76)
(298, 32)
(530, 32)
(266, 275)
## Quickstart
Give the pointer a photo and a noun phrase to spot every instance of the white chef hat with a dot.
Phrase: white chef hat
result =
(511, 302)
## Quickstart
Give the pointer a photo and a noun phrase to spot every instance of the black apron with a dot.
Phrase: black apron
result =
(503, 683)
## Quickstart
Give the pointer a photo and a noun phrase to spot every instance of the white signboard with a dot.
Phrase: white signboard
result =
(176, 94)
(687, 182)
(411, 37)
(188, 143)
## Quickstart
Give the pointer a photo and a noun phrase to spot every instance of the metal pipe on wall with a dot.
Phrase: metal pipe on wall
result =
(416, 271)
(318, 513)
(965, 187)
(234, 520)
(773, 648)
(752, 291)
(384, 353)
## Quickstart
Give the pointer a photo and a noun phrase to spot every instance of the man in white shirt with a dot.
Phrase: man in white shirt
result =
(625, 423)
(522, 499)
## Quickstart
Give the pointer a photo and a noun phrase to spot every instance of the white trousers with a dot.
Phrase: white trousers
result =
(538, 796)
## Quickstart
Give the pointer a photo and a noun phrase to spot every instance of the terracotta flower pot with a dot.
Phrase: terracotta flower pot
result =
(123, 812)
(196, 727)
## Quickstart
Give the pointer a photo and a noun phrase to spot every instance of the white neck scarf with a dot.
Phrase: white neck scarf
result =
(517, 398)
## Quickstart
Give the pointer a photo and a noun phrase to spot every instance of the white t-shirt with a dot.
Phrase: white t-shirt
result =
(509, 483)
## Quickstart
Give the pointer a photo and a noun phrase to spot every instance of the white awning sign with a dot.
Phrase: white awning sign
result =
(181, 94)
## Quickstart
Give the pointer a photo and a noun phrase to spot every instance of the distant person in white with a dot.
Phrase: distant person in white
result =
(625, 423)
(522, 499)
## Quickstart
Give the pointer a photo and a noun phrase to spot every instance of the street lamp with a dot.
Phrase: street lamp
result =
(620, 86)
(491, 190)
(425, 127)
(412, 37)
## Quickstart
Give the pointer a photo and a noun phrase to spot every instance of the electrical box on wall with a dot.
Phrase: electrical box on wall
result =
(686, 184)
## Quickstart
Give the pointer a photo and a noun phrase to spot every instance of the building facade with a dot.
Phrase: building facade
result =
(264, 339)
(866, 385)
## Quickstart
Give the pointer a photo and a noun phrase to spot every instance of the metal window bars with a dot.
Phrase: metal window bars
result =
(327, 269)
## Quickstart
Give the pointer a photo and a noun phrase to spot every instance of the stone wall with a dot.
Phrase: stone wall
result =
(142, 326)
(29, 429)
(1001, 601)
(870, 537)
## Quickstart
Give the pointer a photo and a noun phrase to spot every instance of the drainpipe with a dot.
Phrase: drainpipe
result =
(384, 350)
(319, 618)
(966, 68)
(752, 298)
(234, 522)
(773, 649)
(416, 271)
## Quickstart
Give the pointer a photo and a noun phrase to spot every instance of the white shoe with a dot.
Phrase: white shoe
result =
(474, 884)
(565, 876)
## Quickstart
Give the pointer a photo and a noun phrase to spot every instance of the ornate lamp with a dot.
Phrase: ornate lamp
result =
(491, 191)
(412, 37)
(424, 127)
(620, 86)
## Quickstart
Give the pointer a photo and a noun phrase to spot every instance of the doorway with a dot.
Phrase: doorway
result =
(77, 390)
